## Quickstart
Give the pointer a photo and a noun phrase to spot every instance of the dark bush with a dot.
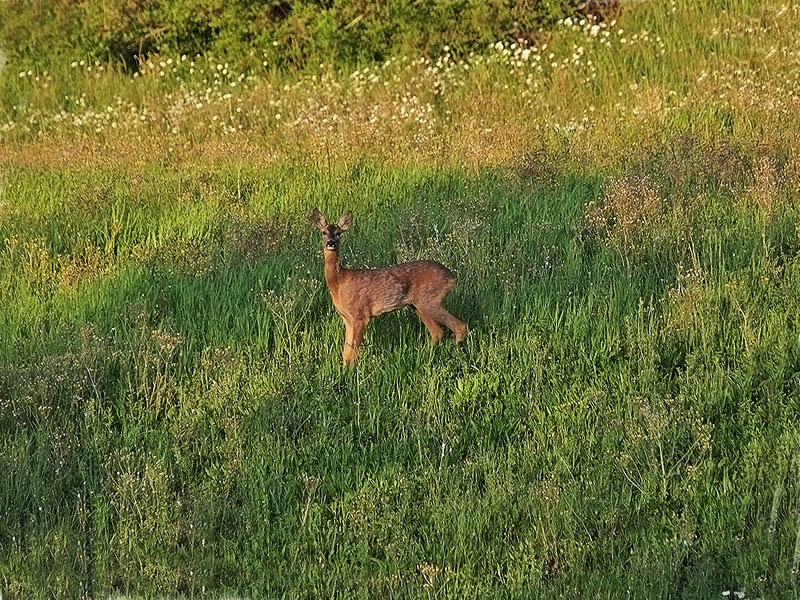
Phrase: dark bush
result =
(287, 33)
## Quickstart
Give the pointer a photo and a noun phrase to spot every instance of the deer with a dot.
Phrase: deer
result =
(360, 294)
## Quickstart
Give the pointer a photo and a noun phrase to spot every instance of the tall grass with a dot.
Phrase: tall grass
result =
(622, 421)
(601, 89)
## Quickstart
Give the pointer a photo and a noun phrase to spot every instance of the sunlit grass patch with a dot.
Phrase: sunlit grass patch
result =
(622, 220)
(598, 85)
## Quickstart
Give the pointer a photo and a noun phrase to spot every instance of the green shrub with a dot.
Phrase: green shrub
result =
(286, 33)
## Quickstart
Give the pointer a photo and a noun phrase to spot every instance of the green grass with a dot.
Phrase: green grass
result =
(175, 418)
(624, 226)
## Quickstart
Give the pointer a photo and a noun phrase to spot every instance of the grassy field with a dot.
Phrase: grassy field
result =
(621, 207)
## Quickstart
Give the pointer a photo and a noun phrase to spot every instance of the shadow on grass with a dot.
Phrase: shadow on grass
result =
(206, 413)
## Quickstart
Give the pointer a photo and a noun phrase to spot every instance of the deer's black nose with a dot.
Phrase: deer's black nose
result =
(330, 244)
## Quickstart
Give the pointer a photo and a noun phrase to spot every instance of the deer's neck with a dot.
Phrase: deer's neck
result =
(333, 269)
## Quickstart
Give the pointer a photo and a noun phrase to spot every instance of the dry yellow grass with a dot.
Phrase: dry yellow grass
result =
(604, 91)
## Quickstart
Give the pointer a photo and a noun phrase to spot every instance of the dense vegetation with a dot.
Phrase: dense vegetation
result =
(620, 202)
(289, 33)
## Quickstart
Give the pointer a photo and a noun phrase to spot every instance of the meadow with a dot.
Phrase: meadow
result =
(620, 203)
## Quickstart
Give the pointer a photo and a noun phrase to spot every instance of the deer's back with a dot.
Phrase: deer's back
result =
(377, 291)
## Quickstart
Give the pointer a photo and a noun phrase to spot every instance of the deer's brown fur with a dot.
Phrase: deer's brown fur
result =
(360, 294)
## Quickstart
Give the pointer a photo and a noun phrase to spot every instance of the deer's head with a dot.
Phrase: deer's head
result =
(331, 233)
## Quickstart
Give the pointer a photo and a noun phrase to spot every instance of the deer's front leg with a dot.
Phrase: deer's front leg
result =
(354, 334)
(348, 351)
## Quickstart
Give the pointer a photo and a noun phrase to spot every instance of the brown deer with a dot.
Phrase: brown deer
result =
(359, 294)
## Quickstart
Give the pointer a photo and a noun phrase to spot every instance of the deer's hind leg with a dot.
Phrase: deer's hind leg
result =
(430, 322)
(445, 318)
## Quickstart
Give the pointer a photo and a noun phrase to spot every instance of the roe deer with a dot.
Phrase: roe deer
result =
(359, 294)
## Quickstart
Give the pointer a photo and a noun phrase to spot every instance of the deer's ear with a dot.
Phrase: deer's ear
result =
(318, 219)
(345, 221)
